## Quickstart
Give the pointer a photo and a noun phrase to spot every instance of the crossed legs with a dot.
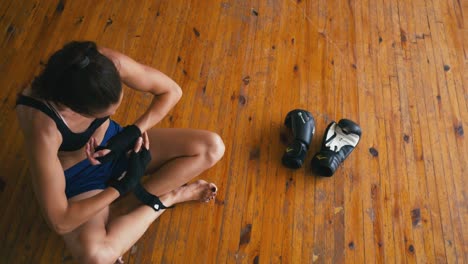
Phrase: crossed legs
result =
(178, 155)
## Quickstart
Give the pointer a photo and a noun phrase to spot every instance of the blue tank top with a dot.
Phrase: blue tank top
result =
(70, 141)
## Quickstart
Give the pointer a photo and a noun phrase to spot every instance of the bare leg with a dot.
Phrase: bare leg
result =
(124, 231)
(178, 155)
(94, 242)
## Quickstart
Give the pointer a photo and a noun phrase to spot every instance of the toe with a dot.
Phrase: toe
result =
(213, 188)
(213, 195)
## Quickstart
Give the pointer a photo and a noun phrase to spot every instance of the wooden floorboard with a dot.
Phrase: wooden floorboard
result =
(398, 68)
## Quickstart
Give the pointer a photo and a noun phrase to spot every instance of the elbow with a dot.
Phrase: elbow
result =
(177, 93)
(61, 228)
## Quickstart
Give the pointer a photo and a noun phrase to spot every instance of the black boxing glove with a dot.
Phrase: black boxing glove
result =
(302, 125)
(137, 163)
(120, 143)
(338, 142)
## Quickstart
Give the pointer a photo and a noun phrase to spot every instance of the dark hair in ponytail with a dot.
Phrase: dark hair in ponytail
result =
(79, 77)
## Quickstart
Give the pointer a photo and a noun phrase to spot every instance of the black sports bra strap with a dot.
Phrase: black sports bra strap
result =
(34, 103)
(71, 141)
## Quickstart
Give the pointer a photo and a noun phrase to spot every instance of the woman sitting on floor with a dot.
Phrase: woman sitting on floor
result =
(81, 161)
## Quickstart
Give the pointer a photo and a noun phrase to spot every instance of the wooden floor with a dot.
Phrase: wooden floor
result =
(397, 67)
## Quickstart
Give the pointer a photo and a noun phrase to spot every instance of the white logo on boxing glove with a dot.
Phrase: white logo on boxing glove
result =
(337, 139)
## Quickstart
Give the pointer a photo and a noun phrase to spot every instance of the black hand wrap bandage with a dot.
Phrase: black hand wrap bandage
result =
(136, 169)
(302, 125)
(149, 199)
(338, 142)
(120, 143)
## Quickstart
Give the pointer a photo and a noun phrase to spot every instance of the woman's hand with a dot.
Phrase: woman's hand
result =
(138, 160)
(91, 154)
(119, 144)
(142, 141)
(92, 144)
(114, 147)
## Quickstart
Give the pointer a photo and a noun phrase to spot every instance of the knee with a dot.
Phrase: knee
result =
(97, 254)
(214, 150)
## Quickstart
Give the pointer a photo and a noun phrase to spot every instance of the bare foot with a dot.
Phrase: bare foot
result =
(197, 191)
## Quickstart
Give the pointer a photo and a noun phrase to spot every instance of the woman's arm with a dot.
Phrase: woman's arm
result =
(49, 181)
(144, 78)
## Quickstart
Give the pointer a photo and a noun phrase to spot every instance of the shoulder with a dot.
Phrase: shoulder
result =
(110, 54)
(121, 61)
(128, 68)
(37, 127)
